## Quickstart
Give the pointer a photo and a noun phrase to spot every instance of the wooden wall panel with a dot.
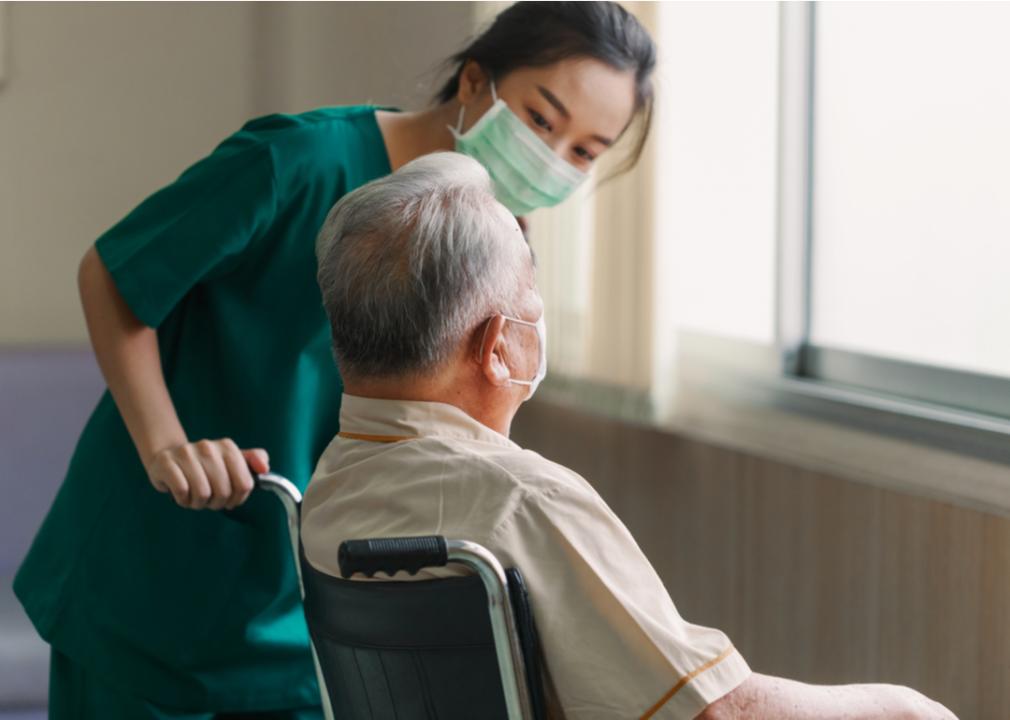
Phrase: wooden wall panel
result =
(814, 577)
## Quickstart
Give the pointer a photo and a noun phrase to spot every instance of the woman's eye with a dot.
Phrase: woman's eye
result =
(539, 120)
(584, 154)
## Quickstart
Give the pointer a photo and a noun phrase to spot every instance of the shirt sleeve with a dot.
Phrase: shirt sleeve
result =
(613, 642)
(191, 230)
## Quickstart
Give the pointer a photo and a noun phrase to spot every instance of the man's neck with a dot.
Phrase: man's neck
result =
(489, 414)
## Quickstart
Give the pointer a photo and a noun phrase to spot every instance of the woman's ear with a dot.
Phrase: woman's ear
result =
(489, 352)
(472, 82)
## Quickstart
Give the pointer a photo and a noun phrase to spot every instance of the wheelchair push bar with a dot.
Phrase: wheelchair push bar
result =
(291, 498)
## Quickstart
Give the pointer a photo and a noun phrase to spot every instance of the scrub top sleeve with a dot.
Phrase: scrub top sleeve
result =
(195, 228)
(613, 641)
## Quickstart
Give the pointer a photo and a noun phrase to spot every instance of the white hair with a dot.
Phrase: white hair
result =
(410, 263)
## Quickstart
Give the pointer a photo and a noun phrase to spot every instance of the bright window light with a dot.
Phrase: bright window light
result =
(911, 203)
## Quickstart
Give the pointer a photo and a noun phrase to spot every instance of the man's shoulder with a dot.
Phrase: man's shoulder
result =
(505, 471)
(524, 468)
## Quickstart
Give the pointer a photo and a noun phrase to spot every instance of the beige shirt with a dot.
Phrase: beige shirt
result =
(613, 642)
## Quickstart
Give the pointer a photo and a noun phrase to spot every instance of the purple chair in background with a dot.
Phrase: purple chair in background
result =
(46, 396)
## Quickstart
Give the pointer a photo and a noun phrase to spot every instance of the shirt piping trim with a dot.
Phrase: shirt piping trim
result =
(685, 680)
(376, 438)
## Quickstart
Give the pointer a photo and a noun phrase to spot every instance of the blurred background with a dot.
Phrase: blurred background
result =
(779, 346)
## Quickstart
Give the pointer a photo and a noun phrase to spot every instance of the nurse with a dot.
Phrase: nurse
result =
(163, 586)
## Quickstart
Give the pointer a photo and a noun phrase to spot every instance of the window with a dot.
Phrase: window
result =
(910, 201)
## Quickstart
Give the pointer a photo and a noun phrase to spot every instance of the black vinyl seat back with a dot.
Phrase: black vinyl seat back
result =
(418, 650)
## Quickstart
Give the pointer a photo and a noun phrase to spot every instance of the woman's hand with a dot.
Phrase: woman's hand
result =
(212, 474)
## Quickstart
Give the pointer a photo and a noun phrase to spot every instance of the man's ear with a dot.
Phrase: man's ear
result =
(472, 82)
(489, 352)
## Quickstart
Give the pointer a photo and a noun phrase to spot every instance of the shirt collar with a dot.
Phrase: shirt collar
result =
(403, 419)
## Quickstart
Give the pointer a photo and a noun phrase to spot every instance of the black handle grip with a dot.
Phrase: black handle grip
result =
(389, 555)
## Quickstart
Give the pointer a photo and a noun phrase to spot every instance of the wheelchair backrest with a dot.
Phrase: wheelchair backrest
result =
(419, 650)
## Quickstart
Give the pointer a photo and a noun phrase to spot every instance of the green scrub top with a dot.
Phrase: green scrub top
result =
(200, 609)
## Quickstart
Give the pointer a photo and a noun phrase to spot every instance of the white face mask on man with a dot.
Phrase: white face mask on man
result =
(541, 328)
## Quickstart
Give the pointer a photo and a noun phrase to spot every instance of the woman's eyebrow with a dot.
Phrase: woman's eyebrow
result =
(560, 107)
(553, 100)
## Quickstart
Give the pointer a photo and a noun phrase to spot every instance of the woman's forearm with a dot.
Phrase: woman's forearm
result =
(127, 353)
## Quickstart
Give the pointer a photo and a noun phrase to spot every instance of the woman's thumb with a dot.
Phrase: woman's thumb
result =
(259, 461)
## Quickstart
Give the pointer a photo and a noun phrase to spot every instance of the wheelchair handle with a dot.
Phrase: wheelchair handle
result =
(278, 485)
(390, 555)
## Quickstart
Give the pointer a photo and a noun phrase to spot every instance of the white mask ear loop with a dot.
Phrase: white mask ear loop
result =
(483, 340)
(457, 131)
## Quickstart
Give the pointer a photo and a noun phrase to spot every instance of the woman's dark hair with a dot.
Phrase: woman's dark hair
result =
(535, 34)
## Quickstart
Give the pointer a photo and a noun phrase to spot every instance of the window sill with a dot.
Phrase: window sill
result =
(732, 394)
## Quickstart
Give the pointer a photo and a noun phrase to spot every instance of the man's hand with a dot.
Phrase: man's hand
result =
(909, 703)
(764, 697)
(212, 474)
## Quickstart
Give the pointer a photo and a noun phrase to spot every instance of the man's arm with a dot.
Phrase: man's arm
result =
(763, 697)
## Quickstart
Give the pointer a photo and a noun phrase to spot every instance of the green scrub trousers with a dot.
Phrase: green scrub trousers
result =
(81, 695)
(150, 605)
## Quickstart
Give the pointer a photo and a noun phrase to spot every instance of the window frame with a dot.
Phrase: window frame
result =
(963, 411)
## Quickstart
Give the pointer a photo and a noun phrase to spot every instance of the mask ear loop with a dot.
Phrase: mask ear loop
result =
(540, 339)
(457, 131)
(483, 338)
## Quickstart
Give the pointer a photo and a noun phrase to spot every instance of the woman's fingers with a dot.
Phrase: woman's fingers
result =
(167, 476)
(211, 474)
(238, 471)
(210, 454)
(258, 459)
(196, 478)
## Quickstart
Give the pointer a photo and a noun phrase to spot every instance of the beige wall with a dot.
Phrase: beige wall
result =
(813, 576)
(332, 53)
(105, 103)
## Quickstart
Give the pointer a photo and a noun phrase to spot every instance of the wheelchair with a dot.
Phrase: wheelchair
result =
(461, 648)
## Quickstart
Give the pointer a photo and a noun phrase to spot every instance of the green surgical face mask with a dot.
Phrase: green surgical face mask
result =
(526, 173)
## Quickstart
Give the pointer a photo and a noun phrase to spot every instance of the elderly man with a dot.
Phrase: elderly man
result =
(438, 330)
